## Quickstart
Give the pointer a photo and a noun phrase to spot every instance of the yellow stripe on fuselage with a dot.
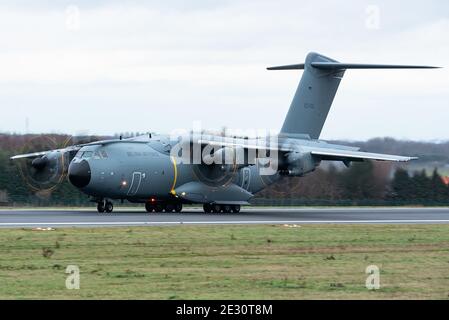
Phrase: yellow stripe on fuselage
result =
(175, 169)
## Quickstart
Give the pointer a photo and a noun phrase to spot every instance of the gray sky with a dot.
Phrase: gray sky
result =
(101, 67)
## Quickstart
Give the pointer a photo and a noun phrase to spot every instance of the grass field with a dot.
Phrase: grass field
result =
(227, 262)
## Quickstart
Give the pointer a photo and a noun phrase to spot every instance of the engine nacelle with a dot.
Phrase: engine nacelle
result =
(219, 166)
(299, 163)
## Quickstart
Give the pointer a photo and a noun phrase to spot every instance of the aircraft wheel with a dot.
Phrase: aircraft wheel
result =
(159, 207)
(109, 207)
(236, 208)
(169, 208)
(227, 208)
(178, 207)
(216, 208)
(207, 208)
(149, 207)
(100, 207)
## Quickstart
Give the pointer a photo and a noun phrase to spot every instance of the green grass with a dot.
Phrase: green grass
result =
(227, 262)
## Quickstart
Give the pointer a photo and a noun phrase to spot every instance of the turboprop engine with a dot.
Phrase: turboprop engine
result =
(46, 172)
(298, 163)
(219, 167)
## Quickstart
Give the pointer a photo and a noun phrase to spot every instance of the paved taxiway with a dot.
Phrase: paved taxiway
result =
(132, 217)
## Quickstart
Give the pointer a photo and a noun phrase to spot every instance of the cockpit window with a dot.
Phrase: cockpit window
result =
(97, 155)
(87, 155)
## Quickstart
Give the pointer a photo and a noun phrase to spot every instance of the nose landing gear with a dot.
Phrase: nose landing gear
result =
(109, 207)
(149, 207)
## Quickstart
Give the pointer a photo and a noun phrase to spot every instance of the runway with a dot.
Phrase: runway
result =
(131, 217)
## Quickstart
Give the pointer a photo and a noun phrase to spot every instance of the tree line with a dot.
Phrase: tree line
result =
(364, 183)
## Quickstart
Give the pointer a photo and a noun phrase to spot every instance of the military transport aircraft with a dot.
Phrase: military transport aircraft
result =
(158, 171)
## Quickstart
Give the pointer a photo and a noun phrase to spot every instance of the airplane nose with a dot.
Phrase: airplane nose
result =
(79, 174)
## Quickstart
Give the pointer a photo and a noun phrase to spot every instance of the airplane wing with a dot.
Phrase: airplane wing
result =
(74, 148)
(254, 145)
(30, 155)
(322, 151)
(43, 153)
(349, 155)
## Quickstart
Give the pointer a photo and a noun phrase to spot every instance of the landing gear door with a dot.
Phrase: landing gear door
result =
(135, 183)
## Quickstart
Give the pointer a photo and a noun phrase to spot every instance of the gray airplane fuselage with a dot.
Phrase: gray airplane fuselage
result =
(141, 171)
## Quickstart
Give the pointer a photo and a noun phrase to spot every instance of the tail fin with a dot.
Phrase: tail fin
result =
(316, 91)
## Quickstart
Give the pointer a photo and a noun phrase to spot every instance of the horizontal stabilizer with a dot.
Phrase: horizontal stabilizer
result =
(338, 66)
(299, 66)
(344, 66)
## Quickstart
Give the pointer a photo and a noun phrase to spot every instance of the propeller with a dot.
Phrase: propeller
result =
(44, 173)
(217, 174)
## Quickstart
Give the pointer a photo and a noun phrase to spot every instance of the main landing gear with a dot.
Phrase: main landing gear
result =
(217, 208)
(105, 206)
(163, 207)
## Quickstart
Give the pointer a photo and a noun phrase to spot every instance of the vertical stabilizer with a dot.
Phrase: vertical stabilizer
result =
(316, 91)
(313, 98)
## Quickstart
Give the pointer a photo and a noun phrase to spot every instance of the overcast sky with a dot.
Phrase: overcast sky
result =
(101, 67)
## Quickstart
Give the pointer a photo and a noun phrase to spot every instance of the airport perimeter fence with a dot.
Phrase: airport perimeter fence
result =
(345, 203)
